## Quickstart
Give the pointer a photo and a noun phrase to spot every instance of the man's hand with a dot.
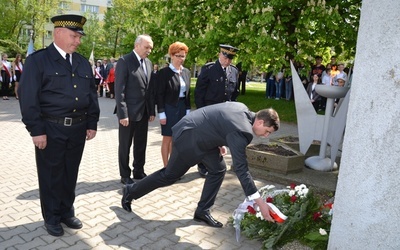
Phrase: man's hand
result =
(124, 122)
(151, 118)
(163, 121)
(264, 209)
(90, 134)
(40, 141)
(223, 150)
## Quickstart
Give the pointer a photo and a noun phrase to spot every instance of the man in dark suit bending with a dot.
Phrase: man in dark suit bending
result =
(201, 136)
(134, 107)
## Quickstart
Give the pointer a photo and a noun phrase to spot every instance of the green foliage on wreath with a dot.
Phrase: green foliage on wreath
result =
(308, 221)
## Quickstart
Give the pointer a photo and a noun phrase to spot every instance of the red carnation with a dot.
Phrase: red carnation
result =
(251, 210)
(292, 185)
(317, 215)
(293, 198)
(270, 199)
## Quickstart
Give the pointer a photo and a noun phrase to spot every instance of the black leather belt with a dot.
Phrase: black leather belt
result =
(182, 98)
(66, 121)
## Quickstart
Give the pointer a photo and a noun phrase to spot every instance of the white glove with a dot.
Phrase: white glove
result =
(1, 79)
(15, 78)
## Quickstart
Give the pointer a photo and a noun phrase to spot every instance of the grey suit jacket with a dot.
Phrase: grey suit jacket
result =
(133, 88)
(205, 129)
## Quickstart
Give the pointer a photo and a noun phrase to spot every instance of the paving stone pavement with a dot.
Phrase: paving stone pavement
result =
(161, 220)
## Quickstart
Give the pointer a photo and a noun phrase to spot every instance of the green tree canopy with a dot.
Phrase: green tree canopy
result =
(268, 33)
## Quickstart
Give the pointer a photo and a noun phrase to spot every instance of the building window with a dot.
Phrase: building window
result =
(89, 8)
(63, 5)
(48, 34)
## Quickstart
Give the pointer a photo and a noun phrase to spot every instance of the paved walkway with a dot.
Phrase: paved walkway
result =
(161, 220)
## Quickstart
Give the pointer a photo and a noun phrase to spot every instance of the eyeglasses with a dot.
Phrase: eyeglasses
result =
(180, 56)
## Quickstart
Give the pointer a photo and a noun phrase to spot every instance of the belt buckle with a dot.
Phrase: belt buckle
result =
(68, 121)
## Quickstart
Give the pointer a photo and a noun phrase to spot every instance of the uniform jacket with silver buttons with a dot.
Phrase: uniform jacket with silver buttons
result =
(214, 86)
(51, 87)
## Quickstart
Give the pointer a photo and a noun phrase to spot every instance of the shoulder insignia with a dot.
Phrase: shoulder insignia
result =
(209, 64)
(38, 51)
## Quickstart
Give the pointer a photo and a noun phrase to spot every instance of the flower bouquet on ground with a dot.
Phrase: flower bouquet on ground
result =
(300, 215)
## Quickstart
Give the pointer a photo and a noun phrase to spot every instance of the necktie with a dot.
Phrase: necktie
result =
(67, 58)
(144, 66)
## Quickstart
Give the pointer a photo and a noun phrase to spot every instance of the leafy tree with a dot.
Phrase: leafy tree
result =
(39, 13)
(93, 32)
(13, 13)
(268, 33)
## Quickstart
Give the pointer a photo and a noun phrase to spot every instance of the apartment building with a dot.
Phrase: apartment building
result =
(79, 7)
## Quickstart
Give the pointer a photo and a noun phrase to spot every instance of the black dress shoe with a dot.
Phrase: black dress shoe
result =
(207, 218)
(126, 201)
(55, 230)
(126, 180)
(72, 222)
(139, 176)
(202, 171)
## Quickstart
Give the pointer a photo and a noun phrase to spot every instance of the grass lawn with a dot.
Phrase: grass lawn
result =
(255, 100)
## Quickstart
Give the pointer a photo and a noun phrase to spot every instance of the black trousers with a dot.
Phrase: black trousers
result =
(5, 84)
(135, 132)
(57, 167)
(181, 159)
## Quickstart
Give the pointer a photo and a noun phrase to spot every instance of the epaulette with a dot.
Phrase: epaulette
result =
(38, 51)
(209, 64)
(233, 66)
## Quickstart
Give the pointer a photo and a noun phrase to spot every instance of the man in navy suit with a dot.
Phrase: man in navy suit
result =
(59, 107)
(201, 136)
(134, 107)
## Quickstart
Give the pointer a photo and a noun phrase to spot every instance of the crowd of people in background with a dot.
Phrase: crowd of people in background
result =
(104, 75)
(11, 72)
(279, 85)
(10, 75)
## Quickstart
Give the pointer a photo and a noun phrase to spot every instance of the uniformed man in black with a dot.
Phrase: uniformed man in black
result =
(59, 107)
(217, 83)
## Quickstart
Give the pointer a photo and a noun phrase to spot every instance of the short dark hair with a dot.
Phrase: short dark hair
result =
(270, 118)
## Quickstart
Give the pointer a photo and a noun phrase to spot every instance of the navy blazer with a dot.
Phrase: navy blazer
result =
(133, 88)
(50, 86)
(214, 86)
(168, 88)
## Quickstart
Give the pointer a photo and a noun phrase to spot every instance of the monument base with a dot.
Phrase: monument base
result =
(321, 164)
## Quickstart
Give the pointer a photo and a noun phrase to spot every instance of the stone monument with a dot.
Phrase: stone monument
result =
(366, 213)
